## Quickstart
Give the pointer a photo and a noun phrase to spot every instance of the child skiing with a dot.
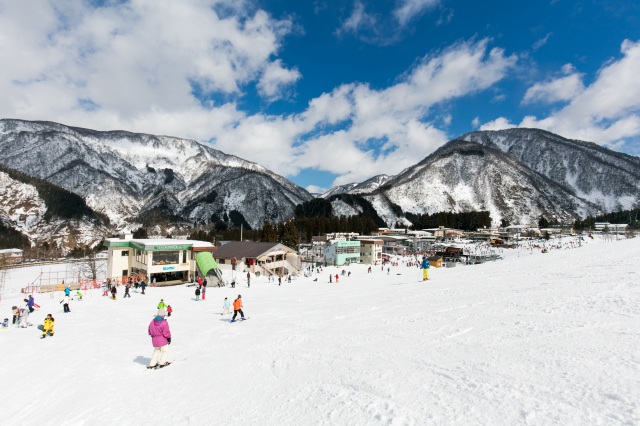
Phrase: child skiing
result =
(197, 293)
(425, 268)
(16, 314)
(65, 304)
(47, 328)
(169, 310)
(127, 287)
(237, 307)
(160, 339)
(225, 307)
(113, 291)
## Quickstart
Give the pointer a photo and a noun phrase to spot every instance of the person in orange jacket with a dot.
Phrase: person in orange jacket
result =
(237, 307)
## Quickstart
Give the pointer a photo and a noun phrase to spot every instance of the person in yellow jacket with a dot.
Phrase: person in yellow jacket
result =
(48, 326)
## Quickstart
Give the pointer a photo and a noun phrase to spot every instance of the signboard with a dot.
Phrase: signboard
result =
(168, 268)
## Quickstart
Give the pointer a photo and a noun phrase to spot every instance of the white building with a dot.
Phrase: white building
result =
(167, 261)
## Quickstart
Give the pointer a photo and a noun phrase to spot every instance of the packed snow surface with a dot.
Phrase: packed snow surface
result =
(536, 338)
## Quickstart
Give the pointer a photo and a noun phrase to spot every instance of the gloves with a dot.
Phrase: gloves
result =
(169, 340)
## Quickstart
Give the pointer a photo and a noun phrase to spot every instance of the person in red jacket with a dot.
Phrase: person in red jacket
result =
(237, 307)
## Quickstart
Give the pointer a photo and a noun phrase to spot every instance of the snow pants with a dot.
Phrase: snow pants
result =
(65, 306)
(235, 313)
(162, 352)
(425, 274)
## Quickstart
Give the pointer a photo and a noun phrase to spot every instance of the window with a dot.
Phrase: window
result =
(125, 252)
(184, 256)
(125, 272)
(166, 258)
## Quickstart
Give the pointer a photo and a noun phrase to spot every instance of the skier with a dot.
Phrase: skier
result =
(65, 304)
(16, 314)
(30, 303)
(47, 328)
(162, 305)
(143, 285)
(233, 284)
(225, 307)
(237, 307)
(160, 339)
(105, 288)
(67, 290)
(79, 294)
(203, 292)
(279, 279)
(248, 279)
(127, 287)
(337, 278)
(425, 268)
(197, 293)
(169, 310)
(113, 292)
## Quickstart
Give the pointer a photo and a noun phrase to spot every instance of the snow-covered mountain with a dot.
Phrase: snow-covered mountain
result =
(468, 176)
(609, 179)
(370, 185)
(340, 189)
(24, 209)
(132, 176)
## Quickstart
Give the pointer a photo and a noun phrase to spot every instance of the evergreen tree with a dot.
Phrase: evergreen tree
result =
(290, 236)
(268, 233)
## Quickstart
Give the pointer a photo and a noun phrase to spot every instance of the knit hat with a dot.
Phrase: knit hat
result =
(161, 312)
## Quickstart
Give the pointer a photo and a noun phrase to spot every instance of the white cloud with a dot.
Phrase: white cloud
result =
(358, 20)
(408, 9)
(556, 89)
(276, 79)
(128, 57)
(541, 42)
(475, 123)
(606, 112)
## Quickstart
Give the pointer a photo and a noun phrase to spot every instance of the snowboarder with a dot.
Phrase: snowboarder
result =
(237, 307)
(169, 310)
(30, 303)
(160, 339)
(425, 268)
(162, 305)
(197, 293)
(47, 328)
(226, 306)
(65, 304)
(113, 292)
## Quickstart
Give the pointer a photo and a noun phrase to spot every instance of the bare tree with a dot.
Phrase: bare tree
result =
(91, 267)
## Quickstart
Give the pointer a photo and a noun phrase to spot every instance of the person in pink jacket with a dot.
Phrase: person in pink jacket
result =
(161, 339)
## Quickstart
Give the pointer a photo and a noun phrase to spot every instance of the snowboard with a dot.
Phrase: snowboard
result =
(240, 320)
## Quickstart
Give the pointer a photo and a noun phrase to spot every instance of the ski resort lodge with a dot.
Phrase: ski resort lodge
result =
(260, 258)
(167, 261)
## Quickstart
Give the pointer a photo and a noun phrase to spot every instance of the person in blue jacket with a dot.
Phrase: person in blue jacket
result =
(67, 290)
(425, 268)
(30, 303)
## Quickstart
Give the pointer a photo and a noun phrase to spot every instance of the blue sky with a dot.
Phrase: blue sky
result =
(326, 92)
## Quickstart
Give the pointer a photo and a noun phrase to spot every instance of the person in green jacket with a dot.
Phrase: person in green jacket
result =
(162, 305)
